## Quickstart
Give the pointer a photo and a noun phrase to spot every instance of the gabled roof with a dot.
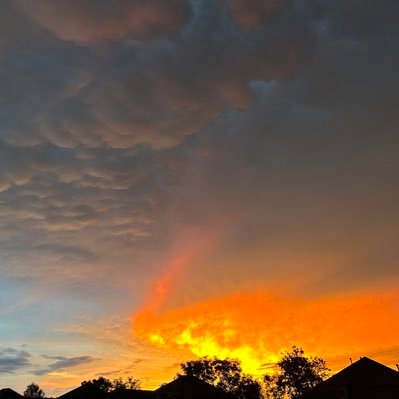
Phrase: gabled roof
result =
(365, 378)
(188, 387)
(8, 393)
(183, 387)
(84, 392)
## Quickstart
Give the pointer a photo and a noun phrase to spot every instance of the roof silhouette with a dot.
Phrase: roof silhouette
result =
(183, 387)
(86, 391)
(189, 387)
(364, 379)
(8, 393)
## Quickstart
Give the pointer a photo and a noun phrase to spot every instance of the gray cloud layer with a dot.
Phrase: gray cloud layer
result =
(280, 113)
(12, 360)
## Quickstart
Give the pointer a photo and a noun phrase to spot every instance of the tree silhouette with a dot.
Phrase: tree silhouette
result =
(297, 375)
(34, 391)
(224, 374)
(120, 384)
(103, 384)
(100, 384)
(133, 383)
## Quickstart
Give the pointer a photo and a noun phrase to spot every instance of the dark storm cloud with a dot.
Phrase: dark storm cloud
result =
(257, 105)
(95, 20)
(63, 363)
(248, 13)
(81, 128)
(367, 18)
(12, 360)
(312, 167)
(17, 31)
(155, 94)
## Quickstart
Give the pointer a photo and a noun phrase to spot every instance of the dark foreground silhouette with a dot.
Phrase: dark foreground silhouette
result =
(183, 387)
(364, 379)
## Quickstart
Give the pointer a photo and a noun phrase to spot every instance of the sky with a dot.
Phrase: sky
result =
(185, 178)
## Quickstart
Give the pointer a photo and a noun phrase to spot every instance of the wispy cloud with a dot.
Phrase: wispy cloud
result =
(63, 363)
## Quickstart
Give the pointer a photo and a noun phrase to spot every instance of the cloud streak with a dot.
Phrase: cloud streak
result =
(63, 363)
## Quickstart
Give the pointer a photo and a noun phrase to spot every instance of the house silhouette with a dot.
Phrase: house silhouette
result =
(8, 393)
(364, 379)
(189, 387)
(183, 387)
(86, 391)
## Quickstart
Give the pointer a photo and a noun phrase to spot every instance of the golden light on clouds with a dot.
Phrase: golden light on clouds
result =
(256, 327)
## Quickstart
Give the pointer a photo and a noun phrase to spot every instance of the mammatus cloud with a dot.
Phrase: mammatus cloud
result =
(248, 13)
(12, 360)
(123, 146)
(63, 363)
(95, 20)
(88, 140)
(155, 94)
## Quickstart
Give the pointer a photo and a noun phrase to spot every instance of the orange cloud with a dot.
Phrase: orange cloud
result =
(256, 327)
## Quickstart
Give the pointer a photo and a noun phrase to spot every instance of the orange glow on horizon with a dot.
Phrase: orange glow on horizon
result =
(256, 327)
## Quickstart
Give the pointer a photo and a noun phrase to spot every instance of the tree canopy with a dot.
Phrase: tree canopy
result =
(34, 391)
(120, 384)
(101, 384)
(297, 374)
(105, 385)
(224, 374)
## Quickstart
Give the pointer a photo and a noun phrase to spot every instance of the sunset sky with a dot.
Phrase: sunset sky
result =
(185, 178)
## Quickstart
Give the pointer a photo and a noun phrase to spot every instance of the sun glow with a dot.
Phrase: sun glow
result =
(256, 327)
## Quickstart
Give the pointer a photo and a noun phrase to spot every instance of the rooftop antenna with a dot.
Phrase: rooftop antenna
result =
(350, 359)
